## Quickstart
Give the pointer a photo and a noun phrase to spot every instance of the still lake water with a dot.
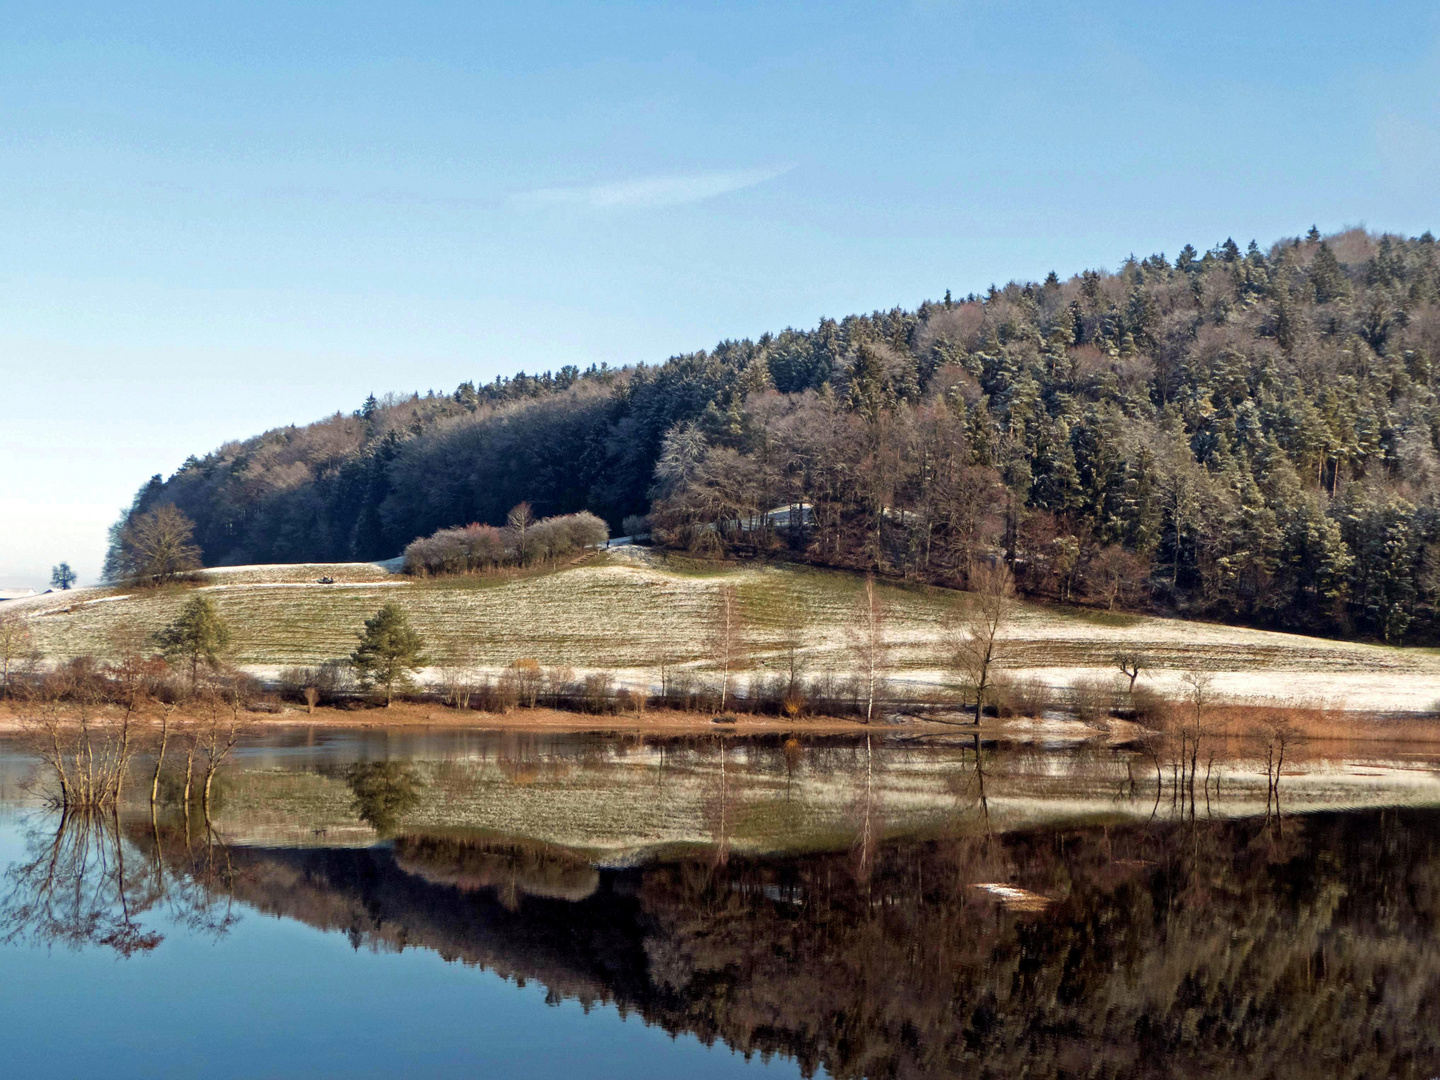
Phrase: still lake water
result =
(378, 903)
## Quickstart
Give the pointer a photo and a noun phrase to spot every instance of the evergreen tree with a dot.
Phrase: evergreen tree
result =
(390, 652)
(198, 635)
(1327, 277)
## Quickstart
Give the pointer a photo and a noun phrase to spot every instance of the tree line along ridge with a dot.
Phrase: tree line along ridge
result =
(1245, 435)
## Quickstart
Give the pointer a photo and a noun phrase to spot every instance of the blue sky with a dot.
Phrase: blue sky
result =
(217, 218)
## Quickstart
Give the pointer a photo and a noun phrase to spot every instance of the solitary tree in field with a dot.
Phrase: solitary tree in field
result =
(154, 547)
(198, 635)
(867, 641)
(727, 637)
(61, 576)
(1131, 664)
(977, 645)
(389, 652)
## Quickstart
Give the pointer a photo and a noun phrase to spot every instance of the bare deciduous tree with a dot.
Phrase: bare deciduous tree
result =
(869, 644)
(1131, 664)
(727, 637)
(460, 677)
(86, 752)
(1193, 728)
(797, 620)
(519, 521)
(529, 679)
(154, 547)
(167, 710)
(1115, 575)
(219, 733)
(1279, 730)
(977, 643)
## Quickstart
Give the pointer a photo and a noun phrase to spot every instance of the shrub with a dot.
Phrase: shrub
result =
(475, 548)
(1149, 706)
(1091, 698)
(559, 684)
(793, 704)
(1021, 697)
(635, 525)
(529, 679)
(597, 692)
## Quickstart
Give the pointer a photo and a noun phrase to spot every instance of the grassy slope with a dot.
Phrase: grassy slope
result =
(624, 609)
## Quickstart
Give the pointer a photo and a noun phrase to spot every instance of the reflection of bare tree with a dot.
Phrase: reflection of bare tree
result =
(721, 810)
(201, 882)
(869, 822)
(792, 753)
(968, 786)
(75, 889)
(85, 885)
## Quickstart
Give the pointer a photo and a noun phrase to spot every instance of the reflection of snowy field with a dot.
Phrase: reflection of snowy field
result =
(627, 610)
(618, 801)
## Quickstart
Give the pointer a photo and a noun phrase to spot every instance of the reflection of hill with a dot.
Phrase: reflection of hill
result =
(1217, 949)
(511, 870)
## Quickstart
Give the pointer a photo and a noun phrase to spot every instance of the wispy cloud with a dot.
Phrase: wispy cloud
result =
(652, 191)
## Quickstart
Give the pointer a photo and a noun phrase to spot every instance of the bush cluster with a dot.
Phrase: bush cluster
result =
(475, 548)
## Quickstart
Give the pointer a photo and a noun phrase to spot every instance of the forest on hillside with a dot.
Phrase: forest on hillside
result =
(1250, 435)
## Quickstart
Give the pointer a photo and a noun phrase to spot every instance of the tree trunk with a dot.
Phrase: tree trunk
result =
(160, 759)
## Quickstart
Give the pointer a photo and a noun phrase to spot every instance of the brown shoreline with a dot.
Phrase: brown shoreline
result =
(1227, 722)
(421, 715)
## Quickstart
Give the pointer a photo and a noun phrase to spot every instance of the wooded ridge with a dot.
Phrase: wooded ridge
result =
(1252, 435)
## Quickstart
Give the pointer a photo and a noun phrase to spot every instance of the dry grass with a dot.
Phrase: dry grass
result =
(627, 610)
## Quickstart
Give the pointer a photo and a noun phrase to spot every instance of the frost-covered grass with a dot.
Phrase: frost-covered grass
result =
(627, 610)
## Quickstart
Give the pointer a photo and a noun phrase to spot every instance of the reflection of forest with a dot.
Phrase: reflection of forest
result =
(1190, 949)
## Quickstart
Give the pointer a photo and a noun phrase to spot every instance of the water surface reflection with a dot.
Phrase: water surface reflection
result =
(1142, 941)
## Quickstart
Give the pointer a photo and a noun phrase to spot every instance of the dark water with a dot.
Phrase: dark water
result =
(374, 906)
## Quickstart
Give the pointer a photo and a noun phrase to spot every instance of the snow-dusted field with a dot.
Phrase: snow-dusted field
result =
(628, 609)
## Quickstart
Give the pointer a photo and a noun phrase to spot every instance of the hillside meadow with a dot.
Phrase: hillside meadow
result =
(629, 610)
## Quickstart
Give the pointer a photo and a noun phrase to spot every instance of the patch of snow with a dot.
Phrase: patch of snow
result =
(1014, 897)
(298, 585)
(318, 568)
